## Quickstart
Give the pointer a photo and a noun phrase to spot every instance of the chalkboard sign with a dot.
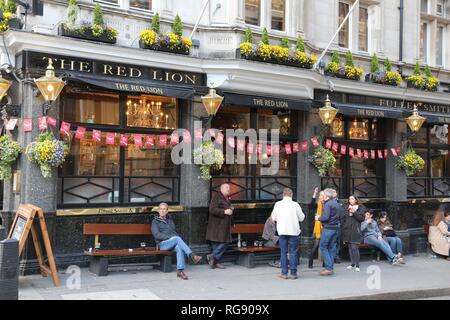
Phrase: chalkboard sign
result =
(19, 228)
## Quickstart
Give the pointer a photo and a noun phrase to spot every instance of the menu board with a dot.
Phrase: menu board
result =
(19, 228)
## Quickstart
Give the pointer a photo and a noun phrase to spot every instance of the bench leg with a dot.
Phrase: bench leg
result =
(99, 266)
(165, 263)
(246, 260)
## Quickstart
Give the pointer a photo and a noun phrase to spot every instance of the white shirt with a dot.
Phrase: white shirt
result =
(288, 214)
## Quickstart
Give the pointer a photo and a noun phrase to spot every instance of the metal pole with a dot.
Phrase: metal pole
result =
(336, 33)
(402, 7)
(200, 17)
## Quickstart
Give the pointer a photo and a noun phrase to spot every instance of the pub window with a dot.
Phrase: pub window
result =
(276, 119)
(363, 29)
(344, 34)
(141, 4)
(337, 127)
(232, 117)
(97, 174)
(151, 112)
(253, 12)
(359, 129)
(85, 107)
(278, 14)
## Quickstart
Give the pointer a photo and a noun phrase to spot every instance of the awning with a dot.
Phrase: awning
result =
(260, 101)
(366, 111)
(435, 117)
(136, 86)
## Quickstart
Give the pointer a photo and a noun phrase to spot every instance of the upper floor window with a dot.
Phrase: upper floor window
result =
(440, 7)
(253, 12)
(424, 6)
(278, 14)
(424, 42)
(363, 29)
(141, 4)
(115, 2)
(440, 46)
(344, 34)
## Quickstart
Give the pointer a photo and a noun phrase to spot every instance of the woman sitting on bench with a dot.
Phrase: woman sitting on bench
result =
(388, 232)
(372, 236)
(439, 234)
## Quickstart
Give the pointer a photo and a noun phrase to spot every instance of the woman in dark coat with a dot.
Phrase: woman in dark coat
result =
(351, 230)
(219, 225)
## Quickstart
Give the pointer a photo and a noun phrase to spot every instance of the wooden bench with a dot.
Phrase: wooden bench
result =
(246, 255)
(99, 258)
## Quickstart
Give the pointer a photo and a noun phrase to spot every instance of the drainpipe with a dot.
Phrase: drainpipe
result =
(401, 8)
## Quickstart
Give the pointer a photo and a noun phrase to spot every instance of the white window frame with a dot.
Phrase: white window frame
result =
(286, 3)
(442, 3)
(140, 9)
(444, 45)
(261, 15)
(368, 29)
(428, 7)
(110, 4)
(426, 59)
(349, 23)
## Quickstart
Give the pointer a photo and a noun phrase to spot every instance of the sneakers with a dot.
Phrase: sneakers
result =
(326, 272)
(395, 261)
(310, 264)
(400, 258)
(275, 264)
(351, 267)
(357, 269)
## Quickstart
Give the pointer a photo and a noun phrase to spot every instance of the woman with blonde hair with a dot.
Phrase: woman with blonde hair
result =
(439, 236)
(316, 207)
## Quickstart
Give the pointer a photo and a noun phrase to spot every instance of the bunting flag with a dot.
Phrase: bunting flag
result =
(219, 139)
(42, 123)
(328, 144)
(28, 125)
(138, 140)
(366, 154)
(359, 153)
(315, 142)
(250, 148)
(97, 135)
(295, 147)
(51, 121)
(11, 124)
(212, 133)
(187, 137)
(380, 154)
(386, 153)
(351, 152)
(123, 140)
(198, 134)
(162, 141)
(110, 138)
(150, 141)
(79, 134)
(335, 147)
(258, 149)
(343, 150)
(304, 145)
(276, 149)
(398, 149)
(288, 149)
(65, 128)
(230, 142)
(241, 145)
(175, 138)
(372, 154)
(269, 150)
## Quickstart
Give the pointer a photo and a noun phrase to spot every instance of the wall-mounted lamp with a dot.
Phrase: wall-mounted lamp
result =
(49, 86)
(211, 102)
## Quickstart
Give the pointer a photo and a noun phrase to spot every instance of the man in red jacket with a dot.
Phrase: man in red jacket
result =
(219, 225)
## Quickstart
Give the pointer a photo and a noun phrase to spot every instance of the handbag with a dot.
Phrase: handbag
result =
(390, 233)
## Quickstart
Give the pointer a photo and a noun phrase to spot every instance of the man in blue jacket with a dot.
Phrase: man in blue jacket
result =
(163, 230)
(330, 219)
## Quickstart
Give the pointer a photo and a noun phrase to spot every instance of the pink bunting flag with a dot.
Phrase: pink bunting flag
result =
(240, 145)
(386, 153)
(343, 150)
(110, 138)
(335, 147)
(150, 141)
(359, 153)
(230, 142)
(162, 140)
(51, 121)
(380, 154)
(351, 152)
(11, 124)
(366, 154)
(295, 147)
(97, 135)
(258, 149)
(398, 149)
(42, 123)
(288, 149)
(304, 145)
(372, 154)
(79, 134)
(250, 148)
(315, 142)
(198, 134)
(187, 137)
(212, 133)
(138, 140)
(174, 138)
(328, 144)
(219, 139)
(276, 149)
(65, 128)
(269, 150)
(123, 140)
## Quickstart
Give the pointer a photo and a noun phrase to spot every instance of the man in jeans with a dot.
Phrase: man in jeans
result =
(287, 214)
(163, 230)
(330, 219)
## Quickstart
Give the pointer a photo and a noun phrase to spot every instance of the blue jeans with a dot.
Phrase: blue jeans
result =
(328, 247)
(289, 244)
(176, 244)
(218, 249)
(380, 244)
(396, 244)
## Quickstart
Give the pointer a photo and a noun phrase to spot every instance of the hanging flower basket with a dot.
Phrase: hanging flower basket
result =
(47, 152)
(410, 162)
(323, 159)
(208, 157)
(9, 153)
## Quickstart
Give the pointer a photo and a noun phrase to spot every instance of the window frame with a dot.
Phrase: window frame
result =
(367, 29)
(349, 24)
(260, 14)
(284, 17)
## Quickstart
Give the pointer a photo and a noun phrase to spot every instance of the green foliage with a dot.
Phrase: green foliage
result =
(285, 42)
(300, 44)
(177, 27)
(349, 59)
(417, 71)
(374, 64)
(72, 12)
(335, 57)
(265, 36)
(387, 64)
(248, 35)
(155, 24)
(8, 6)
(98, 15)
(428, 71)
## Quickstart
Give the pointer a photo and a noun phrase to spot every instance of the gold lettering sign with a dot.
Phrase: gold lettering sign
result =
(269, 103)
(371, 113)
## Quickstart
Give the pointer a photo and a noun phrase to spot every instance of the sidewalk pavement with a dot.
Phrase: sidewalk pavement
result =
(422, 277)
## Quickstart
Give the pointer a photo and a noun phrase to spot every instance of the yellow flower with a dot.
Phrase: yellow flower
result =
(264, 51)
(246, 48)
(148, 37)
(173, 38)
(187, 42)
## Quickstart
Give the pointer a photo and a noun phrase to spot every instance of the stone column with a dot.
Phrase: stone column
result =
(396, 180)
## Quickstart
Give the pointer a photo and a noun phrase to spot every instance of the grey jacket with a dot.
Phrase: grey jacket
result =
(370, 229)
(163, 229)
(270, 230)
